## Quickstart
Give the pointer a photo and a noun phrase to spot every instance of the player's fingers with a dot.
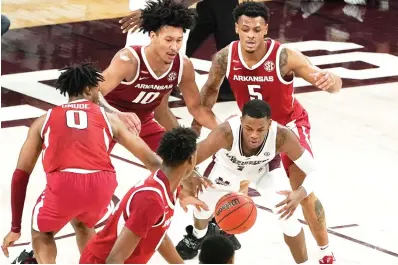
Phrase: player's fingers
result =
(322, 80)
(5, 250)
(284, 209)
(290, 214)
(132, 27)
(282, 203)
(124, 19)
(284, 192)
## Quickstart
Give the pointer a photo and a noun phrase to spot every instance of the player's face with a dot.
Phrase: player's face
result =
(168, 42)
(254, 131)
(251, 31)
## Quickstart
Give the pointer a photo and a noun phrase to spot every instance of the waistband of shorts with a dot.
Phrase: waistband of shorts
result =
(79, 170)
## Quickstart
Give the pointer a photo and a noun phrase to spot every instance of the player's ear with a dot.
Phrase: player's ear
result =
(152, 35)
(266, 29)
(236, 28)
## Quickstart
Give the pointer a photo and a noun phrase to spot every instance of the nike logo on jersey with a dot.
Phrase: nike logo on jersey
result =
(141, 78)
(237, 68)
(144, 72)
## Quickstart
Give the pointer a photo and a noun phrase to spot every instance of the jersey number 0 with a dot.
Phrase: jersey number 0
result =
(76, 119)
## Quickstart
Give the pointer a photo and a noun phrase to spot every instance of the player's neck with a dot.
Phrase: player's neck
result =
(155, 62)
(174, 175)
(256, 56)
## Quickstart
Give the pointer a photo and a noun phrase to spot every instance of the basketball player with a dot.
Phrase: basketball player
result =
(217, 250)
(248, 148)
(149, 73)
(139, 225)
(74, 140)
(259, 68)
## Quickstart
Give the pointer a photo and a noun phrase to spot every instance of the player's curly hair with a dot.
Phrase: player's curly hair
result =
(251, 9)
(256, 108)
(75, 78)
(177, 146)
(161, 13)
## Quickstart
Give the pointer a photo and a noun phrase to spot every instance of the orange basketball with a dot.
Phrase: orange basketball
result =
(235, 213)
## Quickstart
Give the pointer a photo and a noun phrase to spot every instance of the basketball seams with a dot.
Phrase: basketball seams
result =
(244, 222)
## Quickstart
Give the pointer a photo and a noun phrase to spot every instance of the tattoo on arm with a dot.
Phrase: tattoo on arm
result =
(280, 138)
(283, 59)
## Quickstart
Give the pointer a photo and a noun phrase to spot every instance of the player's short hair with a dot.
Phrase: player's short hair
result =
(216, 250)
(251, 9)
(161, 13)
(74, 79)
(256, 108)
(177, 146)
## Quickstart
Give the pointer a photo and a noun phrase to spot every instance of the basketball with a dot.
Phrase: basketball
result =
(235, 213)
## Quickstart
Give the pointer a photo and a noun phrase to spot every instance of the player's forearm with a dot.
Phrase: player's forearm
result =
(337, 85)
(108, 108)
(205, 117)
(169, 252)
(166, 118)
(19, 183)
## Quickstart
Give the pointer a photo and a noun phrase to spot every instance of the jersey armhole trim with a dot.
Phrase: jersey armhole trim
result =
(134, 53)
(45, 123)
(229, 59)
(180, 71)
(107, 121)
(278, 70)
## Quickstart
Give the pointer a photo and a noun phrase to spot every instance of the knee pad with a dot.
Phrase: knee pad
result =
(291, 227)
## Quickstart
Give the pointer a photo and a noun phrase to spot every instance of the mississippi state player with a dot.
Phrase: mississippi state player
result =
(149, 73)
(74, 140)
(247, 148)
(265, 69)
(138, 227)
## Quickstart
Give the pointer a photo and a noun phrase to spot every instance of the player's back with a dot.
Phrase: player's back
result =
(145, 92)
(239, 165)
(76, 137)
(155, 185)
(263, 81)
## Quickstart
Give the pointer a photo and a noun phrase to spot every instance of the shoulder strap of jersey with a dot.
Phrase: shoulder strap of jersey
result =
(133, 50)
(230, 51)
(235, 124)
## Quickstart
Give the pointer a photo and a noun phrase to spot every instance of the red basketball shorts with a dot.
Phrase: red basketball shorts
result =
(151, 133)
(73, 195)
(88, 258)
(301, 127)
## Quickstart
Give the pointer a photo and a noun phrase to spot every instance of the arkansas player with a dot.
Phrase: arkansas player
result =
(140, 79)
(138, 227)
(74, 140)
(259, 68)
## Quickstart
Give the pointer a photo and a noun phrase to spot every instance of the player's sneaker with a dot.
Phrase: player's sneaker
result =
(189, 246)
(25, 258)
(235, 242)
(327, 259)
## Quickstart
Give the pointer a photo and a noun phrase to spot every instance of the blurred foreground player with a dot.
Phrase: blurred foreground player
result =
(138, 227)
(139, 79)
(74, 140)
(217, 250)
(248, 148)
(259, 68)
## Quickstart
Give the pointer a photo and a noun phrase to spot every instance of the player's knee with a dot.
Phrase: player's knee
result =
(291, 227)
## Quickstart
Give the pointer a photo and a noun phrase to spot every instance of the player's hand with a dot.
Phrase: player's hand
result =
(323, 80)
(132, 21)
(190, 200)
(9, 240)
(293, 199)
(131, 120)
(196, 127)
(198, 183)
(244, 186)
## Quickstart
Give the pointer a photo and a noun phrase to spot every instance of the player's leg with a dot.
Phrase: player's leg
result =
(293, 233)
(312, 208)
(100, 186)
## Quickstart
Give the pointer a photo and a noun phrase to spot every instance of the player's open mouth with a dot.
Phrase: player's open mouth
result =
(250, 44)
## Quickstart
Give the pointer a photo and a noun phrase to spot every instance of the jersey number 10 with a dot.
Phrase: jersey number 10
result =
(146, 97)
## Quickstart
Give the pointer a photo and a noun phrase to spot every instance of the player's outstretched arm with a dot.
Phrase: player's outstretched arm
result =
(202, 114)
(134, 144)
(288, 143)
(124, 246)
(28, 156)
(169, 252)
(164, 115)
(219, 138)
(209, 92)
(293, 61)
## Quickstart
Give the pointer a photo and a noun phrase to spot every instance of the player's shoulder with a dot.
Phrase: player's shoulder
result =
(147, 196)
(282, 133)
(127, 54)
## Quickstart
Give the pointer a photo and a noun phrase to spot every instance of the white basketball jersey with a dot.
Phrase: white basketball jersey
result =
(247, 167)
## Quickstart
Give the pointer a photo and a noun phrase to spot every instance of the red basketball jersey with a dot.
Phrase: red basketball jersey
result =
(145, 92)
(263, 81)
(155, 185)
(76, 136)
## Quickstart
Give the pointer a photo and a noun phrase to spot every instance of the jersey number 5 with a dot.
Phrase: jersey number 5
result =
(76, 119)
(253, 94)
